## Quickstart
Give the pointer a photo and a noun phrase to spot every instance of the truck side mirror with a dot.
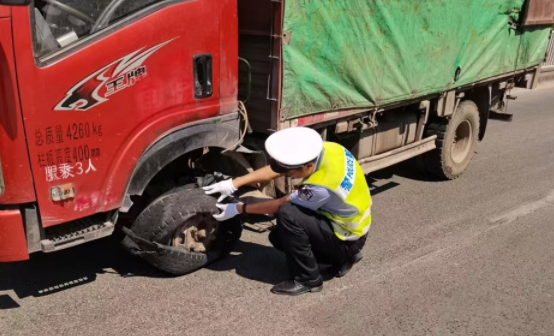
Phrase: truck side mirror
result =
(15, 2)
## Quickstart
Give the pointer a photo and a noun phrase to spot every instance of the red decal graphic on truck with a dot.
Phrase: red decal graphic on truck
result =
(114, 77)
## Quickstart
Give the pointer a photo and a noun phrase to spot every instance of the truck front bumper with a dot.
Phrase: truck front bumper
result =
(13, 245)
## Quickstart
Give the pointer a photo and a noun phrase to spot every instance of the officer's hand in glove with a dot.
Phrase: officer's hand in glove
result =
(228, 211)
(225, 188)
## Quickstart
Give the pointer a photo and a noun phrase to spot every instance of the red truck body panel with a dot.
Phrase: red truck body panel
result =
(13, 246)
(16, 170)
(5, 11)
(92, 110)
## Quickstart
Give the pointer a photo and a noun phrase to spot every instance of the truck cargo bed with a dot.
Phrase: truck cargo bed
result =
(367, 54)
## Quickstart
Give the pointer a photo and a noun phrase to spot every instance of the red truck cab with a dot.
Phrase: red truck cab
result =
(87, 87)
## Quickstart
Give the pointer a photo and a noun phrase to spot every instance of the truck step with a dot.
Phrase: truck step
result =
(75, 233)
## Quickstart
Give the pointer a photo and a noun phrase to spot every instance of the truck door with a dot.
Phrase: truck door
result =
(100, 81)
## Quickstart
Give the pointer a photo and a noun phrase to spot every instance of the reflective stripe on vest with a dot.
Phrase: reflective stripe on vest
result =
(340, 172)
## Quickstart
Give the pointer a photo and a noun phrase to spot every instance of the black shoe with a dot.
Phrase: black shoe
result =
(293, 287)
(346, 267)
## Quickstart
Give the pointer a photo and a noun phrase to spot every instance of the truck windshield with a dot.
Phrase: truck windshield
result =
(59, 23)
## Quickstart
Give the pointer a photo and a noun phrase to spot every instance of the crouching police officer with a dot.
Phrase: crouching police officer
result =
(326, 220)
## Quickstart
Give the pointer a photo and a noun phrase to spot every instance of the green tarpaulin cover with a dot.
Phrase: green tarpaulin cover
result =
(366, 53)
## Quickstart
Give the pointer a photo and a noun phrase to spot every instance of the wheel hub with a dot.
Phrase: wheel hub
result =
(461, 145)
(196, 234)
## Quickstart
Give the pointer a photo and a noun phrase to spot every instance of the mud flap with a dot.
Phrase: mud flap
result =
(508, 117)
(499, 105)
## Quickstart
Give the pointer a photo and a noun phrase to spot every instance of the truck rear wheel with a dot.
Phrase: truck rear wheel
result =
(456, 143)
(173, 217)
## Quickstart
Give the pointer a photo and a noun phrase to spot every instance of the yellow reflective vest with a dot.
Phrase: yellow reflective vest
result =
(341, 173)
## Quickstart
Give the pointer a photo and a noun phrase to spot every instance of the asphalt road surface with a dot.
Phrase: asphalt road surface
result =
(470, 257)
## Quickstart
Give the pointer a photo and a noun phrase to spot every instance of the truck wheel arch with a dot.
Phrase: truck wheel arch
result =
(222, 132)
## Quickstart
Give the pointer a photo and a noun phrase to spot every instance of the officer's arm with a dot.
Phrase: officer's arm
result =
(261, 175)
(264, 208)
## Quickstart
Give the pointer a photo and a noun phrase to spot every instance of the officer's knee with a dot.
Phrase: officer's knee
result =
(287, 217)
(286, 209)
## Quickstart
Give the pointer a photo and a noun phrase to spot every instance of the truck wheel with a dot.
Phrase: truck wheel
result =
(177, 211)
(456, 143)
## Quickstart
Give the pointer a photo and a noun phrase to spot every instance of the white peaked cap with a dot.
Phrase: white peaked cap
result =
(294, 146)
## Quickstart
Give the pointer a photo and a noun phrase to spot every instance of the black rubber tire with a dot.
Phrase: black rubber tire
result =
(440, 162)
(164, 215)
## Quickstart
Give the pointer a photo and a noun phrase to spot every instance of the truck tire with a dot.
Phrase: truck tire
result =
(456, 142)
(159, 220)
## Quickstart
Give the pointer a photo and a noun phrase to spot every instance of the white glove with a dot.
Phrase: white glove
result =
(225, 188)
(228, 211)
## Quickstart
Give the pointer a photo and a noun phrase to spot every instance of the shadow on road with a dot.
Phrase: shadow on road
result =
(6, 302)
(46, 274)
(259, 263)
(255, 262)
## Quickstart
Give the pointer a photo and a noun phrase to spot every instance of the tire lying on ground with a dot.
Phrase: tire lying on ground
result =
(456, 142)
(158, 233)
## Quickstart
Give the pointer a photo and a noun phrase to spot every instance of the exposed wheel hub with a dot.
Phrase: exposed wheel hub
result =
(197, 234)
(462, 141)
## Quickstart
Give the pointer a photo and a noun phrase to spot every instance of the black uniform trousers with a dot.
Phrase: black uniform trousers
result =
(307, 238)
